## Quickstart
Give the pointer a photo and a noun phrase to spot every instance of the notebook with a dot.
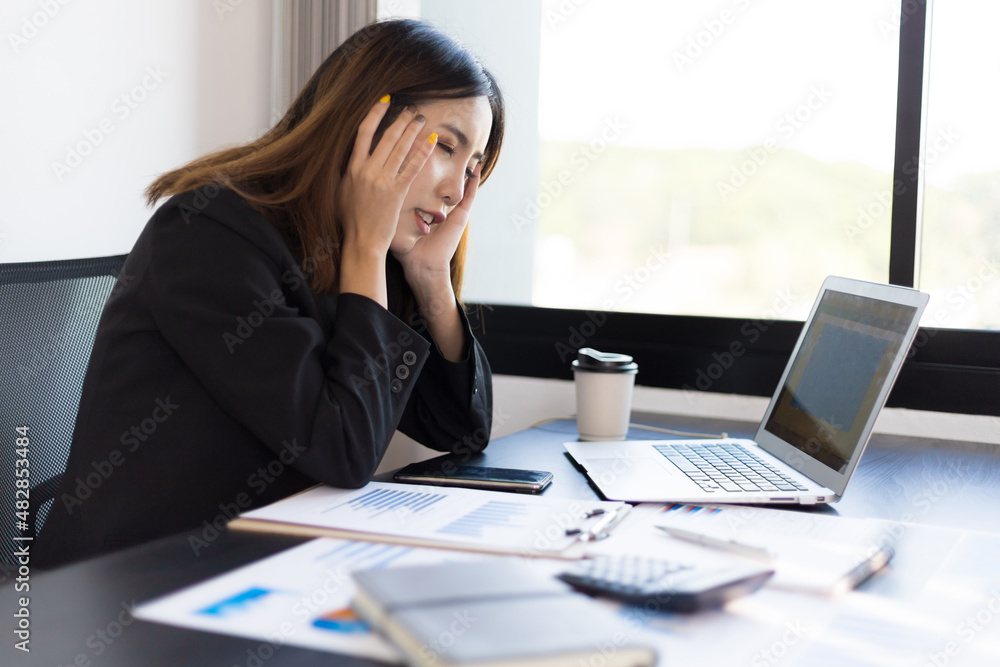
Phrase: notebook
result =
(492, 613)
(815, 428)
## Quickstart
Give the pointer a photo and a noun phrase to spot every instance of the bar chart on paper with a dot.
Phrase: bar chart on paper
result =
(297, 597)
(491, 515)
(436, 516)
(380, 501)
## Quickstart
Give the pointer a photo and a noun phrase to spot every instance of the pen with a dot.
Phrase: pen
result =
(757, 553)
(599, 529)
(864, 569)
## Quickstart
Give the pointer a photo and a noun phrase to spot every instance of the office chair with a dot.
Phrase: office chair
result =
(48, 319)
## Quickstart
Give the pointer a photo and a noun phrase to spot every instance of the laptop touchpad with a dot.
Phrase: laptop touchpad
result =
(628, 473)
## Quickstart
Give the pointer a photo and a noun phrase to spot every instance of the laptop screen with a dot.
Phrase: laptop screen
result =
(842, 365)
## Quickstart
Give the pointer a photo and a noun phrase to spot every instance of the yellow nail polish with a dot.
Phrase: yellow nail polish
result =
(431, 139)
(384, 100)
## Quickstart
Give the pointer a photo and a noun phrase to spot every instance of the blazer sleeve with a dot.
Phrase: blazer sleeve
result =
(452, 405)
(225, 305)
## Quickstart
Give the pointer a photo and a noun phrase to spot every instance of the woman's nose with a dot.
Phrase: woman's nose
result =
(452, 186)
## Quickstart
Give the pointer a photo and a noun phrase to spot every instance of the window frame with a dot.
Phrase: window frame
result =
(948, 370)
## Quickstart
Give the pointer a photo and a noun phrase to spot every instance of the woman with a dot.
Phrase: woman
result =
(292, 304)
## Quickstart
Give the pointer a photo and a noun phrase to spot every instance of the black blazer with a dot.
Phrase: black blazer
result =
(220, 382)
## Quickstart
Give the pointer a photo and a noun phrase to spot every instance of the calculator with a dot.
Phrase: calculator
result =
(669, 585)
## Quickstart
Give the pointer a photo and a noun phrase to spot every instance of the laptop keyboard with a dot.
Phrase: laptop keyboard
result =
(726, 468)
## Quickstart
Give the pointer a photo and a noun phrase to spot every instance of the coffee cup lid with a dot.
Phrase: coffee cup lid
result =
(589, 359)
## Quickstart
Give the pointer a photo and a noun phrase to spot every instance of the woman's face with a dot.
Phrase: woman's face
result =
(463, 128)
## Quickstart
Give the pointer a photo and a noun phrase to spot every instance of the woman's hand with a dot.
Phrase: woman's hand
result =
(370, 196)
(427, 264)
(427, 267)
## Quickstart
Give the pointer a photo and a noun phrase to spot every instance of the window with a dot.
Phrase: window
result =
(960, 260)
(713, 159)
(648, 112)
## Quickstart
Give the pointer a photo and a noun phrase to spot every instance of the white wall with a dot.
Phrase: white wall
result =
(507, 38)
(102, 96)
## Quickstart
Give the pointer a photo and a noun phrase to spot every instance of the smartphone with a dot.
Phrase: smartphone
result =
(445, 473)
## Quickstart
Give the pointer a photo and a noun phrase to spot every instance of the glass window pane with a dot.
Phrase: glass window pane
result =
(960, 263)
(713, 158)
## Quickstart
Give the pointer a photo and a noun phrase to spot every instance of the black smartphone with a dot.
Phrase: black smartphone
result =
(446, 473)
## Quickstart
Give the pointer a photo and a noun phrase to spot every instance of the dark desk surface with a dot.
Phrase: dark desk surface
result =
(80, 613)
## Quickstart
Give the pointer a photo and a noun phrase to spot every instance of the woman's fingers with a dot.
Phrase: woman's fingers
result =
(401, 130)
(450, 232)
(366, 131)
(398, 150)
(471, 188)
(414, 159)
(395, 155)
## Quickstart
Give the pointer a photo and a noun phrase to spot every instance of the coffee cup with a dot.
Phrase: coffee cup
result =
(604, 383)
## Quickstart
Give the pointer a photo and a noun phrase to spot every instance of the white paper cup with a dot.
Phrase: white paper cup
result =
(604, 384)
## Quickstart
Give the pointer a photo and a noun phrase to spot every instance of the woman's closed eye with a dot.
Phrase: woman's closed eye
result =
(449, 151)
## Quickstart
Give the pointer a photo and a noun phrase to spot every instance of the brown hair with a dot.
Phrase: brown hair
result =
(288, 174)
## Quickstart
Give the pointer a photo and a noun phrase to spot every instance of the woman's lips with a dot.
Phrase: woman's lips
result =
(421, 225)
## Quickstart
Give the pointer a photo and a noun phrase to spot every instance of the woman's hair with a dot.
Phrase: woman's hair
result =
(291, 173)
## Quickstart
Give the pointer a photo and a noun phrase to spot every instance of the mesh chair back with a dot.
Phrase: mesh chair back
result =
(48, 319)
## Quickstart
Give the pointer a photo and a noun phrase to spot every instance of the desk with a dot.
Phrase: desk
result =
(79, 613)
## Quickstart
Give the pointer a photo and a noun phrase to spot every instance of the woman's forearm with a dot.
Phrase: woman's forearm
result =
(439, 309)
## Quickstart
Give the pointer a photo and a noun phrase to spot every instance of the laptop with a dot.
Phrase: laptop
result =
(814, 430)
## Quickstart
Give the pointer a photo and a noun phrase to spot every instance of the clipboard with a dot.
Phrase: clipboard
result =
(442, 517)
(811, 553)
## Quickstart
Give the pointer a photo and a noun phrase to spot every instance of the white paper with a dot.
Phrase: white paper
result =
(927, 608)
(468, 518)
(299, 597)
(810, 552)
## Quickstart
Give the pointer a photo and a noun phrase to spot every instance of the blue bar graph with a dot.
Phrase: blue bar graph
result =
(358, 555)
(236, 604)
(379, 501)
(492, 514)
